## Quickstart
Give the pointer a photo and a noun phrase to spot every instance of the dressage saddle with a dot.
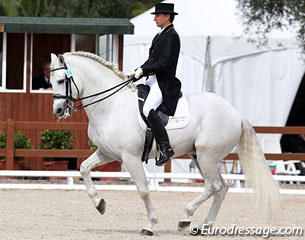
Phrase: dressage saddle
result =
(162, 112)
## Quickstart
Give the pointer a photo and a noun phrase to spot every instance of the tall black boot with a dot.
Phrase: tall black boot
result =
(166, 151)
(149, 139)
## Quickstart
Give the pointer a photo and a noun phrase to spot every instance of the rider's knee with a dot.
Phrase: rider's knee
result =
(146, 110)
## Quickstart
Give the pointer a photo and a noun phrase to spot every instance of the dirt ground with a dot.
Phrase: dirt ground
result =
(59, 214)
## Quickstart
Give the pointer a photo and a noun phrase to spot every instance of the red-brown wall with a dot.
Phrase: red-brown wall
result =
(37, 107)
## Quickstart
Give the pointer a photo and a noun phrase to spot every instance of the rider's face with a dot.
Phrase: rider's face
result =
(161, 19)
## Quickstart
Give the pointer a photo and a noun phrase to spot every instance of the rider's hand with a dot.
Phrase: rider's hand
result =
(130, 74)
(138, 73)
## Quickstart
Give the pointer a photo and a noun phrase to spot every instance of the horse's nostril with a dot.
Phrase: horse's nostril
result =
(59, 110)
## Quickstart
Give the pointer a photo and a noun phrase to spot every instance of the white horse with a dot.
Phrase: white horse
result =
(215, 128)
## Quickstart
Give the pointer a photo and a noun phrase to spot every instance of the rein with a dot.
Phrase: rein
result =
(68, 95)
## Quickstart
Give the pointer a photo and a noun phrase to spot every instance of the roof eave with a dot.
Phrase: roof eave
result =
(70, 26)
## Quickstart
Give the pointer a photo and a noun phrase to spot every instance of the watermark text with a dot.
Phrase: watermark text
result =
(234, 230)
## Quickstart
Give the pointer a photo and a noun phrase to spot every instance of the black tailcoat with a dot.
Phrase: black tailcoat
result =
(40, 82)
(162, 61)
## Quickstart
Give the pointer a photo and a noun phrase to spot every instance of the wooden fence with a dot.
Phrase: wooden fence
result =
(10, 126)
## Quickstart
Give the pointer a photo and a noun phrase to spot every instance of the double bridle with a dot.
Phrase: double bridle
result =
(68, 80)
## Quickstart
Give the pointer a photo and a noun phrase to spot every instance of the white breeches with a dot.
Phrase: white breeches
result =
(154, 98)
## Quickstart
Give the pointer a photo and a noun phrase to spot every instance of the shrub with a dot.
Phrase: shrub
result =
(20, 142)
(92, 145)
(3, 140)
(56, 139)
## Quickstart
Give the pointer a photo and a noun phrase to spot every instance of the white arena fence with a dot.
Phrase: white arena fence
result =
(153, 179)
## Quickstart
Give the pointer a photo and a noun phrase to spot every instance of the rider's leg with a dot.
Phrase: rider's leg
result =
(153, 101)
(154, 98)
(161, 136)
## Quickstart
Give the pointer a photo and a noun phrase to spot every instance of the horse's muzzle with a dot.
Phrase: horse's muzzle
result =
(61, 110)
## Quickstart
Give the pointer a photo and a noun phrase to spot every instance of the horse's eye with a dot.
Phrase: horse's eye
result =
(61, 81)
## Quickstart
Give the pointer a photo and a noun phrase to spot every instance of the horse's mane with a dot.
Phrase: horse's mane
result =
(100, 60)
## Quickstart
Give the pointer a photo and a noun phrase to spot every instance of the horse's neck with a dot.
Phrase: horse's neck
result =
(96, 83)
(112, 110)
(102, 79)
(92, 78)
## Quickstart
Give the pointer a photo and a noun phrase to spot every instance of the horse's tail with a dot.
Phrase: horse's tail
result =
(258, 175)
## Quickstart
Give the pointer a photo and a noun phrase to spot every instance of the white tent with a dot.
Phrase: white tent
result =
(260, 82)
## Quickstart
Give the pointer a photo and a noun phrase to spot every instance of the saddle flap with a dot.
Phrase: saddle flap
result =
(182, 115)
(180, 120)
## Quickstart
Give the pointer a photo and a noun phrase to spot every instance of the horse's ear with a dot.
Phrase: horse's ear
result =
(53, 57)
(61, 58)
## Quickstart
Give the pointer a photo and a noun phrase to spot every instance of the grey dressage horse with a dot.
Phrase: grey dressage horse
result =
(215, 128)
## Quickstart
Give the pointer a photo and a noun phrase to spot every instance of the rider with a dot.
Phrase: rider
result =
(160, 69)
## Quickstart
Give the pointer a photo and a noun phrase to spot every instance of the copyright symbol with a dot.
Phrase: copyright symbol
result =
(194, 230)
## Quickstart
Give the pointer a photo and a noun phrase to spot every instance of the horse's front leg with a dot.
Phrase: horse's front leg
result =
(96, 159)
(136, 170)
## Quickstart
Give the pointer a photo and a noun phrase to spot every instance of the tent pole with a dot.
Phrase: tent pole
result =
(207, 85)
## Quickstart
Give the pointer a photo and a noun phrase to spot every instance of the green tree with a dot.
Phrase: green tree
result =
(9, 7)
(75, 8)
(2, 10)
(261, 17)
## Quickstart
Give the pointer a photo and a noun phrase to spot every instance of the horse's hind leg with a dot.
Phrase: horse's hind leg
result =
(214, 185)
(218, 198)
(96, 159)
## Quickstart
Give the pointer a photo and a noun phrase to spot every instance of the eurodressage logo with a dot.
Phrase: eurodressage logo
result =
(264, 232)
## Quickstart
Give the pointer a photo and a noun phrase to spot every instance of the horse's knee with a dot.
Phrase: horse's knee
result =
(143, 192)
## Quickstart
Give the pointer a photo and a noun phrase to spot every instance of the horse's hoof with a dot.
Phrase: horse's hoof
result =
(145, 232)
(101, 206)
(183, 225)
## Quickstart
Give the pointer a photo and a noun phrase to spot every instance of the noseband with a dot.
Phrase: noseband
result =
(68, 80)
(68, 93)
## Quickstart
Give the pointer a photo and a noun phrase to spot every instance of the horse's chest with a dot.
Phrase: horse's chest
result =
(105, 140)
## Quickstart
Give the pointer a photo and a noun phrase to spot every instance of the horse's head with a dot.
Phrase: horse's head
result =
(64, 89)
(102, 81)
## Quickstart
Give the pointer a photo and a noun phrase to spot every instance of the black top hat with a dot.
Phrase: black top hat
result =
(164, 8)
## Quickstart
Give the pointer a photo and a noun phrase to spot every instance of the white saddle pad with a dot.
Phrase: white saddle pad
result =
(180, 120)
